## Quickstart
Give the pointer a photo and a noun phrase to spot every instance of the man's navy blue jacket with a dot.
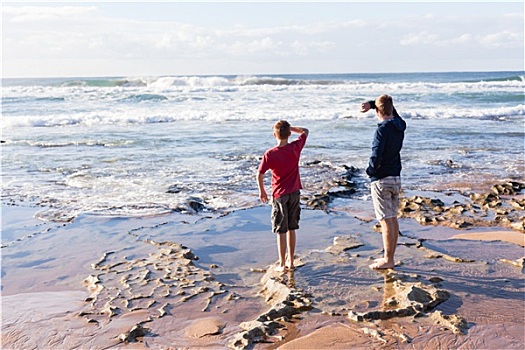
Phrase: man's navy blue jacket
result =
(388, 141)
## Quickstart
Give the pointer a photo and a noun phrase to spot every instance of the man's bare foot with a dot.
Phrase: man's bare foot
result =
(381, 264)
(290, 267)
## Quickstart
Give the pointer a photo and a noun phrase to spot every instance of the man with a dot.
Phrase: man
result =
(384, 169)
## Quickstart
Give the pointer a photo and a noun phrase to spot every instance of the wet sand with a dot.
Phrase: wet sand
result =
(206, 281)
(506, 236)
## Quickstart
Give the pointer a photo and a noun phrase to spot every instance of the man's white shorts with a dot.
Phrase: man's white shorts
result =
(385, 196)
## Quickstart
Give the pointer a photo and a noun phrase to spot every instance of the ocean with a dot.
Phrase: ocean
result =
(136, 146)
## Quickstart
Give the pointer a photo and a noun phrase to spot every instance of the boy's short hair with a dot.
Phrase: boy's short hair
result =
(385, 105)
(282, 129)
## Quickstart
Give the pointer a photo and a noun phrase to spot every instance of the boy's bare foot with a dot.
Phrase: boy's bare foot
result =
(381, 264)
(290, 263)
(279, 268)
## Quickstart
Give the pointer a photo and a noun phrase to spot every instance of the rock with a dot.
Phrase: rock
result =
(205, 327)
(341, 191)
(485, 209)
(245, 339)
(92, 283)
(435, 279)
(457, 324)
(518, 226)
(457, 209)
(459, 224)
(342, 187)
(484, 199)
(257, 270)
(285, 303)
(412, 299)
(518, 262)
(123, 286)
(374, 333)
(343, 243)
(517, 203)
(319, 202)
(418, 297)
(135, 332)
(274, 291)
(174, 189)
(391, 302)
(196, 204)
(424, 219)
(508, 188)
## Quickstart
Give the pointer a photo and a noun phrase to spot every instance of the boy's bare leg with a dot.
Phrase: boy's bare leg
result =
(390, 232)
(290, 240)
(281, 249)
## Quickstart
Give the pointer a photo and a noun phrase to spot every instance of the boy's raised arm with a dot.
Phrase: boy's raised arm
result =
(299, 130)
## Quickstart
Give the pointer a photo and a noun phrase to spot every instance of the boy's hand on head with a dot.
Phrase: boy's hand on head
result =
(365, 107)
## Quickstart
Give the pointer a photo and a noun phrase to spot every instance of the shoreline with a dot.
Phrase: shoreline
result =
(203, 281)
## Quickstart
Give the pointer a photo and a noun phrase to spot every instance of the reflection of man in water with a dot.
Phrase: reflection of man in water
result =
(384, 169)
(389, 302)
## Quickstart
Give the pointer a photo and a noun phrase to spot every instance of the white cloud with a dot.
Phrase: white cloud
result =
(31, 14)
(164, 42)
(88, 34)
(462, 39)
(491, 41)
(501, 39)
(306, 48)
(422, 38)
(311, 29)
(265, 45)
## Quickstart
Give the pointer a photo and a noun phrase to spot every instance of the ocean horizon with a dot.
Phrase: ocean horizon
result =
(232, 75)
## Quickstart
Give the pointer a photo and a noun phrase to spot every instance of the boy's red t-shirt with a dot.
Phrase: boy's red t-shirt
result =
(284, 164)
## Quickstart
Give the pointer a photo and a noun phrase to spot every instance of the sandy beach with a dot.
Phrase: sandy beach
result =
(206, 280)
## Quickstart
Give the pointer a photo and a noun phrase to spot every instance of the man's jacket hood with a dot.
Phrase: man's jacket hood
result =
(396, 122)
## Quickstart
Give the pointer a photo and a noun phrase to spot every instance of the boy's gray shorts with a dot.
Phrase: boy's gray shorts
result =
(286, 212)
(385, 196)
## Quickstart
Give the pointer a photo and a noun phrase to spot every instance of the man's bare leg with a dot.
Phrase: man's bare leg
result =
(281, 250)
(390, 232)
(290, 240)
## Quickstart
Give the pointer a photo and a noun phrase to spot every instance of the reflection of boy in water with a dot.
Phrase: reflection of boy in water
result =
(384, 169)
(283, 161)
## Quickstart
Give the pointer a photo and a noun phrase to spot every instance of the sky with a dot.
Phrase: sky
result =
(126, 38)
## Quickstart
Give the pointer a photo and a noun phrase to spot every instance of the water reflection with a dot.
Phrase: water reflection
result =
(289, 279)
(389, 300)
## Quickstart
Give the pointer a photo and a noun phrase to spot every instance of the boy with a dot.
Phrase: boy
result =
(283, 161)
(384, 169)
